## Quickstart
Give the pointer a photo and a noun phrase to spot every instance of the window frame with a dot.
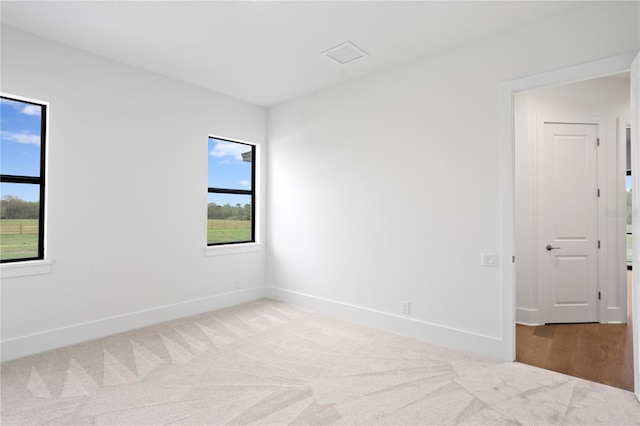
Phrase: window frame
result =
(628, 167)
(251, 192)
(40, 180)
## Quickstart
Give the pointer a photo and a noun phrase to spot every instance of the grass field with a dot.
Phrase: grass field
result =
(228, 231)
(18, 238)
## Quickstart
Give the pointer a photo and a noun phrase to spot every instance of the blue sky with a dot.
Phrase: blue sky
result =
(227, 170)
(20, 146)
(20, 155)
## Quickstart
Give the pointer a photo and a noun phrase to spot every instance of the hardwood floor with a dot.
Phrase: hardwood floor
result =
(598, 352)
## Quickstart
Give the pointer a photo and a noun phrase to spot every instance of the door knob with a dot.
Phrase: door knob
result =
(549, 248)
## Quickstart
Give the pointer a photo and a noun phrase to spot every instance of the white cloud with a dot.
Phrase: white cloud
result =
(245, 182)
(228, 149)
(24, 137)
(10, 102)
(23, 107)
(31, 110)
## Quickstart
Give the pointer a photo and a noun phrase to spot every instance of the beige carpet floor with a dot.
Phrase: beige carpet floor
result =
(271, 363)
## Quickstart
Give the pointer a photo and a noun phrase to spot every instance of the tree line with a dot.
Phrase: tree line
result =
(629, 206)
(229, 212)
(16, 208)
(12, 207)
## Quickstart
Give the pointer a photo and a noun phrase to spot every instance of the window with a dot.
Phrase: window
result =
(22, 179)
(629, 203)
(231, 192)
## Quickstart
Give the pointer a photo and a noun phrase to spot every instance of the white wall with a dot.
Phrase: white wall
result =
(606, 99)
(387, 189)
(126, 212)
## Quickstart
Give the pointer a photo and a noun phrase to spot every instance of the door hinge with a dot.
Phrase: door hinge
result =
(599, 296)
(513, 259)
(598, 192)
(597, 141)
(598, 243)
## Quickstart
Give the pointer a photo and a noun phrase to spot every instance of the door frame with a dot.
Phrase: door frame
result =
(635, 166)
(622, 123)
(602, 261)
(507, 90)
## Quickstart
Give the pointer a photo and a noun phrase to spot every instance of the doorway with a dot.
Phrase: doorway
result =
(570, 230)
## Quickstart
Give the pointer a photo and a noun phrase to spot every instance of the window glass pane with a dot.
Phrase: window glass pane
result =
(628, 149)
(229, 165)
(20, 138)
(629, 218)
(229, 218)
(19, 220)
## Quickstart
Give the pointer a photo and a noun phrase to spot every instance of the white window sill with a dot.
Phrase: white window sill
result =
(23, 269)
(232, 249)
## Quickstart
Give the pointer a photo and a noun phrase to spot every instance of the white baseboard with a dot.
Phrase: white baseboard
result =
(616, 315)
(433, 333)
(528, 316)
(18, 347)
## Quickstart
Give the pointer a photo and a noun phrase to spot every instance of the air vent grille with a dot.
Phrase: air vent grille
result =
(345, 52)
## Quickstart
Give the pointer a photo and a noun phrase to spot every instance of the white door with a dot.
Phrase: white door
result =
(568, 223)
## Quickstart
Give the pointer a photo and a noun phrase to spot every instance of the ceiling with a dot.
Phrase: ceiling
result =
(267, 52)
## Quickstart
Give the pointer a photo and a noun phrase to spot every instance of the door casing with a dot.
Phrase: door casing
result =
(507, 90)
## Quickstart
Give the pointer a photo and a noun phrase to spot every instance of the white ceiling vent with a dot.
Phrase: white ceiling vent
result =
(345, 52)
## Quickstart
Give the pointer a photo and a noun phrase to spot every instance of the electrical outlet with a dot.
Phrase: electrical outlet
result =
(236, 284)
(406, 308)
(489, 259)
